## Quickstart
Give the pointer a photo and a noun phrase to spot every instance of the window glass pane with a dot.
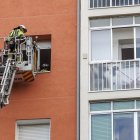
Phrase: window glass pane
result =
(138, 104)
(101, 45)
(113, 3)
(95, 3)
(126, 2)
(137, 19)
(139, 126)
(99, 22)
(117, 3)
(130, 2)
(122, 21)
(121, 2)
(104, 3)
(100, 106)
(101, 127)
(123, 105)
(91, 3)
(99, 3)
(108, 2)
(138, 42)
(136, 1)
(123, 126)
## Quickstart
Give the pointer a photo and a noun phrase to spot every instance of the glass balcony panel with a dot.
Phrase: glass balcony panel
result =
(95, 3)
(99, 3)
(94, 76)
(100, 78)
(131, 78)
(109, 76)
(126, 2)
(104, 3)
(91, 3)
(115, 3)
(137, 74)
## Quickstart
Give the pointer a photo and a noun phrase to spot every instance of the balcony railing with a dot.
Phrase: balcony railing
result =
(111, 76)
(112, 3)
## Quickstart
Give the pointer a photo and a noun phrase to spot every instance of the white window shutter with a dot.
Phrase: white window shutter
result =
(34, 132)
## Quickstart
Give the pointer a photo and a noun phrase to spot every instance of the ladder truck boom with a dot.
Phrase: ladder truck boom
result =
(23, 64)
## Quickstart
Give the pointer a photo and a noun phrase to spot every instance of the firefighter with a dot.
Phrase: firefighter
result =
(17, 33)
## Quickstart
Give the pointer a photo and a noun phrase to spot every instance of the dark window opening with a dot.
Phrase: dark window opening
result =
(45, 61)
(127, 53)
(44, 53)
(25, 57)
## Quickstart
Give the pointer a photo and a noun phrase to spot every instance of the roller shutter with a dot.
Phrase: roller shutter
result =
(34, 132)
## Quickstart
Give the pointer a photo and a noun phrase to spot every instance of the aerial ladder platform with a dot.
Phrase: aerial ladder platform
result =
(22, 66)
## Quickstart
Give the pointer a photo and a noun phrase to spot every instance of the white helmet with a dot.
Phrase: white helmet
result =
(23, 27)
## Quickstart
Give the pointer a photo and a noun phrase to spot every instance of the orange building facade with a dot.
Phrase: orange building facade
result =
(51, 98)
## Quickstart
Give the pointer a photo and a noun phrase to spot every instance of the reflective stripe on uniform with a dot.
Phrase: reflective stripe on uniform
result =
(12, 33)
(16, 33)
(19, 33)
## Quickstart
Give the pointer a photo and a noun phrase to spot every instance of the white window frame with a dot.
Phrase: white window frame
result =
(111, 112)
(111, 27)
(30, 122)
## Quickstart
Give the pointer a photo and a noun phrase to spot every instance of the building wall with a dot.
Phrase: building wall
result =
(52, 95)
(85, 95)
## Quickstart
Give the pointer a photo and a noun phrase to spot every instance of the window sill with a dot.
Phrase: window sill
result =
(40, 72)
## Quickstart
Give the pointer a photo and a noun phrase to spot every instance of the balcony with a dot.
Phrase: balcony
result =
(112, 3)
(115, 75)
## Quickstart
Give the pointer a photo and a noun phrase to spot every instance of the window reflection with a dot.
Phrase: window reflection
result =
(123, 126)
(139, 126)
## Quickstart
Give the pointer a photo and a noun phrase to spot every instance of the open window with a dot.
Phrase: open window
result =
(123, 43)
(44, 52)
(126, 49)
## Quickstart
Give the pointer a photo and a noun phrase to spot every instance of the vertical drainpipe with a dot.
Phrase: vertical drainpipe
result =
(78, 70)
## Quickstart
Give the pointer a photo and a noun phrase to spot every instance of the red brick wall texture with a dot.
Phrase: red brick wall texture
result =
(52, 95)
